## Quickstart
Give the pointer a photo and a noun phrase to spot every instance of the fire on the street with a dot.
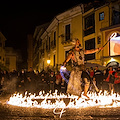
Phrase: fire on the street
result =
(53, 100)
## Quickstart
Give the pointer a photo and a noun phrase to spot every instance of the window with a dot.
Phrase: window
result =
(101, 16)
(67, 32)
(89, 25)
(43, 47)
(7, 61)
(40, 42)
(54, 60)
(55, 38)
(49, 43)
(116, 17)
(90, 44)
(46, 45)
(89, 21)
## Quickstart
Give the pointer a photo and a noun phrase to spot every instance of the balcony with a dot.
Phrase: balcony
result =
(47, 49)
(53, 45)
(42, 52)
(64, 40)
(89, 30)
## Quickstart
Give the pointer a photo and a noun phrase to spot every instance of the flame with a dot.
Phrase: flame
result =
(53, 100)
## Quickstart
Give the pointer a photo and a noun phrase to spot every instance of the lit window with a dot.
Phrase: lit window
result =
(55, 38)
(101, 16)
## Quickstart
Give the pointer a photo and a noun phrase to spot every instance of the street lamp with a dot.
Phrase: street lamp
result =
(48, 62)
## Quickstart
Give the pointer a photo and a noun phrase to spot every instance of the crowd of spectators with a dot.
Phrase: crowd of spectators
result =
(33, 82)
(107, 79)
(30, 81)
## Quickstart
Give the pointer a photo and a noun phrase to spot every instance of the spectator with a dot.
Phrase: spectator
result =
(98, 75)
(11, 85)
(87, 70)
(44, 86)
(91, 72)
(110, 79)
(38, 81)
(30, 84)
(58, 81)
(63, 86)
(104, 83)
(21, 82)
(117, 81)
(52, 80)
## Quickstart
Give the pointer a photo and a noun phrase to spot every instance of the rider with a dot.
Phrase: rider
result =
(76, 54)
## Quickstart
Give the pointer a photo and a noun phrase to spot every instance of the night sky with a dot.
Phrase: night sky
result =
(19, 18)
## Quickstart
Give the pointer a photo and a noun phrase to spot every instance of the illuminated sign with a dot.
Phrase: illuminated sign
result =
(115, 46)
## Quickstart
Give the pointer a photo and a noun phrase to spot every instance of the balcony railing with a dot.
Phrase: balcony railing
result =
(42, 51)
(89, 30)
(63, 39)
(47, 49)
(52, 45)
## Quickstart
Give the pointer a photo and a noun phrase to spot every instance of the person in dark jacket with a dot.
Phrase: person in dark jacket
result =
(21, 82)
(38, 81)
(104, 83)
(52, 81)
(31, 84)
(58, 81)
(98, 76)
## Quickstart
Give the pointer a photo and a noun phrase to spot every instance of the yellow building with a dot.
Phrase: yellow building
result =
(111, 52)
(91, 23)
(56, 40)
(11, 58)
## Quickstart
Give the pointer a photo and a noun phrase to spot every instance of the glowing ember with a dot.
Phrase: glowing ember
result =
(53, 100)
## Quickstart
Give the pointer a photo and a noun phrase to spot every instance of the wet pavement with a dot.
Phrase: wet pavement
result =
(9, 112)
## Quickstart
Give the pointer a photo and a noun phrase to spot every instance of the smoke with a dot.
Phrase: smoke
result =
(9, 86)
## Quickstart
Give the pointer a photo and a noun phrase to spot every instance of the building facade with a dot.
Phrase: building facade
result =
(30, 50)
(37, 45)
(2, 49)
(92, 23)
(10, 59)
